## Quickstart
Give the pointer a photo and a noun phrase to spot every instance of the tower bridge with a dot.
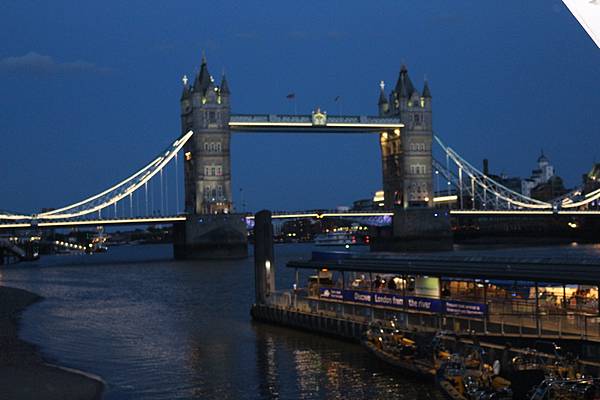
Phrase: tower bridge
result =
(209, 225)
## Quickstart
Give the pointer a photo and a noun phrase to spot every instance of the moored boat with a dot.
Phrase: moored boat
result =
(467, 377)
(398, 349)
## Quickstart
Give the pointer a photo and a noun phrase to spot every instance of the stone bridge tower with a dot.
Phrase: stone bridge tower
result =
(211, 230)
(406, 155)
(205, 109)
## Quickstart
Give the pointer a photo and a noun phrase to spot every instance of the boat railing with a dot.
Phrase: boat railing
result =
(495, 323)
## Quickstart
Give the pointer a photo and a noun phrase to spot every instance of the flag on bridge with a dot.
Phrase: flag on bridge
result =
(291, 96)
(587, 13)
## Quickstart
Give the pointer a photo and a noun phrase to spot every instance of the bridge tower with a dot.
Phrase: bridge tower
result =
(406, 155)
(211, 230)
(205, 109)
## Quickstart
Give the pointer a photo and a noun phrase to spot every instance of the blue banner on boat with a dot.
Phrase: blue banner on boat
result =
(357, 296)
(330, 293)
(424, 304)
(463, 308)
(390, 300)
(408, 302)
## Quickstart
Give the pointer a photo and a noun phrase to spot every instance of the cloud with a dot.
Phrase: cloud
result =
(33, 62)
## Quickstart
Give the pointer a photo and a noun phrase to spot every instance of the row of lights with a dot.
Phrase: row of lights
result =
(346, 229)
(71, 245)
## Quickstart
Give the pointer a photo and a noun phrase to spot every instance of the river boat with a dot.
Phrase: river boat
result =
(398, 349)
(335, 239)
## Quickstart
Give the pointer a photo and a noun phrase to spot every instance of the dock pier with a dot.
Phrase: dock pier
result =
(498, 301)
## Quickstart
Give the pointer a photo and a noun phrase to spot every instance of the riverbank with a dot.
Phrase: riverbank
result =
(24, 374)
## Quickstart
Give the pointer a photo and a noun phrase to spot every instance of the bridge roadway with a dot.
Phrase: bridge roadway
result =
(157, 220)
(316, 123)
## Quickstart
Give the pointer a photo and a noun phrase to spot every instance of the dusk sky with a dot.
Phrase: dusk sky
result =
(90, 90)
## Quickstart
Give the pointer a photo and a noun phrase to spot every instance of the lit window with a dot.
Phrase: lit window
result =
(188, 156)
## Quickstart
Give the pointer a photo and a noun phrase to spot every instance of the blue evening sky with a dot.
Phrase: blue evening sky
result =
(90, 90)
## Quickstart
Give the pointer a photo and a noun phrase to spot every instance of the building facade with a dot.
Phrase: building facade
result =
(205, 109)
(406, 156)
(541, 175)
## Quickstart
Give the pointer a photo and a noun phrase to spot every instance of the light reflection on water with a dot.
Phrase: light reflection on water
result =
(155, 328)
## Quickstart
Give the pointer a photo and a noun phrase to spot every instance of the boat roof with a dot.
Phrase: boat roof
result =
(469, 265)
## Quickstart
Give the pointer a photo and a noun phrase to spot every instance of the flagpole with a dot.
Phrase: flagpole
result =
(337, 100)
(292, 97)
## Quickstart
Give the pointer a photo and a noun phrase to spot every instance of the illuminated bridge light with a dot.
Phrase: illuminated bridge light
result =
(440, 199)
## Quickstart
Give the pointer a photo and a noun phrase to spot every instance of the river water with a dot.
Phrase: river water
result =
(155, 328)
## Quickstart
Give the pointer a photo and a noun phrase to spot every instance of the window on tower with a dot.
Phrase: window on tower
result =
(212, 117)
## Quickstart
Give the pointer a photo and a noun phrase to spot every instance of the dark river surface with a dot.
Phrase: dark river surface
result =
(155, 328)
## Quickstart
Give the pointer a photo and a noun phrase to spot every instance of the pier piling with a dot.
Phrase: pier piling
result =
(264, 260)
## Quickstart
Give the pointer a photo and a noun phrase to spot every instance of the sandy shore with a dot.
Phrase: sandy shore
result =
(24, 374)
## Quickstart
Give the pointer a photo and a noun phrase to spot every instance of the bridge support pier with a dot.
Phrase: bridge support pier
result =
(264, 256)
(417, 229)
(211, 237)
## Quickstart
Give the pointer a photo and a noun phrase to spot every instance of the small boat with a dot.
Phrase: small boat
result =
(467, 377)
(525, 371)
(567, 389)
(397, 349)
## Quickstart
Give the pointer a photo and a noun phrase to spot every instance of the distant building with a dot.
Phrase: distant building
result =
(549, 190)
(376, 203)
(540, 175)
(362, 205)
(591, 182)
(513, 183)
